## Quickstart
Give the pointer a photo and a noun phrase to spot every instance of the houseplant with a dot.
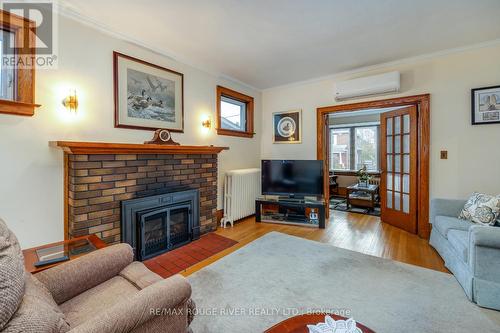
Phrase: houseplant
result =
(363, 176)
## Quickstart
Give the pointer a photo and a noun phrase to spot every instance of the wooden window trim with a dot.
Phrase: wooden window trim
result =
(24, 78)
(248, 100)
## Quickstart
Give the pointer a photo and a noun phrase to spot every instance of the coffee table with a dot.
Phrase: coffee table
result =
(367, 200)
(298, 324)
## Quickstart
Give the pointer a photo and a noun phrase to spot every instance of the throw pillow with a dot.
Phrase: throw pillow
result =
(482, 209)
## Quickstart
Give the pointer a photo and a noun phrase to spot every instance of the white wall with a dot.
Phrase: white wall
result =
(31, 173)
(474, 151)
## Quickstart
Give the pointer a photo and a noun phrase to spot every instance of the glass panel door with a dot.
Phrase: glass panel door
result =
(399, 154)
(179, 226)
(153, 233)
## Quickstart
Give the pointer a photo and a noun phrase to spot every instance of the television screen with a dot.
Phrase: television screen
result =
(292, 177)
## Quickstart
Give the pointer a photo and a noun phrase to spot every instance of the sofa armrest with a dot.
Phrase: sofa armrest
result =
(485, 236)
(165, 301)
(71, 278)
(445, 207)
(484, 252)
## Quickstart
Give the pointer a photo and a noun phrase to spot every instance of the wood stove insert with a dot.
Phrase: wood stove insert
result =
(157, 224)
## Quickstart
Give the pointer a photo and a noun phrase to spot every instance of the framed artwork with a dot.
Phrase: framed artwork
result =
(287, 126)
(147, 96)
(486, 105)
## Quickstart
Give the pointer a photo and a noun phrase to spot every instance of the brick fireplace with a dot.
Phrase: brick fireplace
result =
(99, 176)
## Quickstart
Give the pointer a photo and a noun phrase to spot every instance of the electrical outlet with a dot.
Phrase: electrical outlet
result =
(444, 154)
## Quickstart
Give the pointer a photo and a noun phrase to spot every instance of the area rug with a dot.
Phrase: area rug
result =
(278, 276)
(180, 259)
(341, 205)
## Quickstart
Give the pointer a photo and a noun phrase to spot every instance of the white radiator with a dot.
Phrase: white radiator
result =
(241, 188)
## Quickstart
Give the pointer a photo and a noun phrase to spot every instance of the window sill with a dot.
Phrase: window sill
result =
(221, 131)
(352, 173)
(17, 108)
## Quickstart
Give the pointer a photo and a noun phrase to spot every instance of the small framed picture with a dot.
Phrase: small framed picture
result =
(287, 126)
(147, 96)
(486, 105)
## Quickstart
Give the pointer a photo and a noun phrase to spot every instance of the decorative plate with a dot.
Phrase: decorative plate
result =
(286, 127)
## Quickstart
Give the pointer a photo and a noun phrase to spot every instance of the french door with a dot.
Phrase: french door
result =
(399, 151)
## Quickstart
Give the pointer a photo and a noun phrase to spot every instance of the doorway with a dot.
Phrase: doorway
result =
(401, 164)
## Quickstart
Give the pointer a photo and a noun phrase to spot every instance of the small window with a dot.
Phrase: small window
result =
(234, 113)
(366, 151)
(340, 149)
(353, 147)
(6, 73)
(17, 80)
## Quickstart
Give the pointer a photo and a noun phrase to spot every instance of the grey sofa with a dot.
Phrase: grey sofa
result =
(102, 292)
(470, 251)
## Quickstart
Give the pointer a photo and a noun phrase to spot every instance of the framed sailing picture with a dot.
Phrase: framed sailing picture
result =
(147, 96)
(287, 126)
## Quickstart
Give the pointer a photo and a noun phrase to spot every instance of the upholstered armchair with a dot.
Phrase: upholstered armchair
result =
(104, 291)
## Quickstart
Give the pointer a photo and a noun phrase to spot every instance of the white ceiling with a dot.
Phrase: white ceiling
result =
(266, 43)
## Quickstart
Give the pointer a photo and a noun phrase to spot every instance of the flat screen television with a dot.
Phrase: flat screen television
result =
(292, 178)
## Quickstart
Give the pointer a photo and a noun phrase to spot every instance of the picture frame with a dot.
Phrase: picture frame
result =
(485, 105)
(147, 96)
(287, 127)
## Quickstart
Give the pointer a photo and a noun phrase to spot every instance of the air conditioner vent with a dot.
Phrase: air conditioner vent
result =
(367, 86)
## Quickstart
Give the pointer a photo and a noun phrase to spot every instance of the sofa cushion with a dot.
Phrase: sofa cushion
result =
(92, 302)
(139, 275)
(482, 209)
(12, 278)
(444, 224)
(38, 312)
(459, 240)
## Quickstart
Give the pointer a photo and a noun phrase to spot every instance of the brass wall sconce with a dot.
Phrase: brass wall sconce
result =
(71, 102)
(206, 123)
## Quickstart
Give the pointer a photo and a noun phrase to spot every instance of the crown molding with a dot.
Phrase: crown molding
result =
(97, 25)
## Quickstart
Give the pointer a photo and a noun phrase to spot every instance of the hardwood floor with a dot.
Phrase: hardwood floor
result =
(356, 232)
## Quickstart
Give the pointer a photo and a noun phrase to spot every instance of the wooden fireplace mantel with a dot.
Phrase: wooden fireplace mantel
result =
(73, 147)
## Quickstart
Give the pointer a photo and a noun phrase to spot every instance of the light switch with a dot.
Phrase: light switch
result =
(444, 154)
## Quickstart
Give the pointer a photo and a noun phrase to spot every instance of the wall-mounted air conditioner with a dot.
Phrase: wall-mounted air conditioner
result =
(367, 86)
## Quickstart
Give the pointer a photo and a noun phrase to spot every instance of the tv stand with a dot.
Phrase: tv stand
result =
(292, 211)
(291, 199)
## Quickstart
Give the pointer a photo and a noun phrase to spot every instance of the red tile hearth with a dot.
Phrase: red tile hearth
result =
(180, 259)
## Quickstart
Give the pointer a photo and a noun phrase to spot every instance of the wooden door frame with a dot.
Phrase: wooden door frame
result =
(422, 102)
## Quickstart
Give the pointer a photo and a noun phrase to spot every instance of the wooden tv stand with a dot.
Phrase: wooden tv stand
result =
(298, 207)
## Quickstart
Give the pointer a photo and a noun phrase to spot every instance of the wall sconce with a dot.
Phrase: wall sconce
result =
(71, 102)
(207, 123)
